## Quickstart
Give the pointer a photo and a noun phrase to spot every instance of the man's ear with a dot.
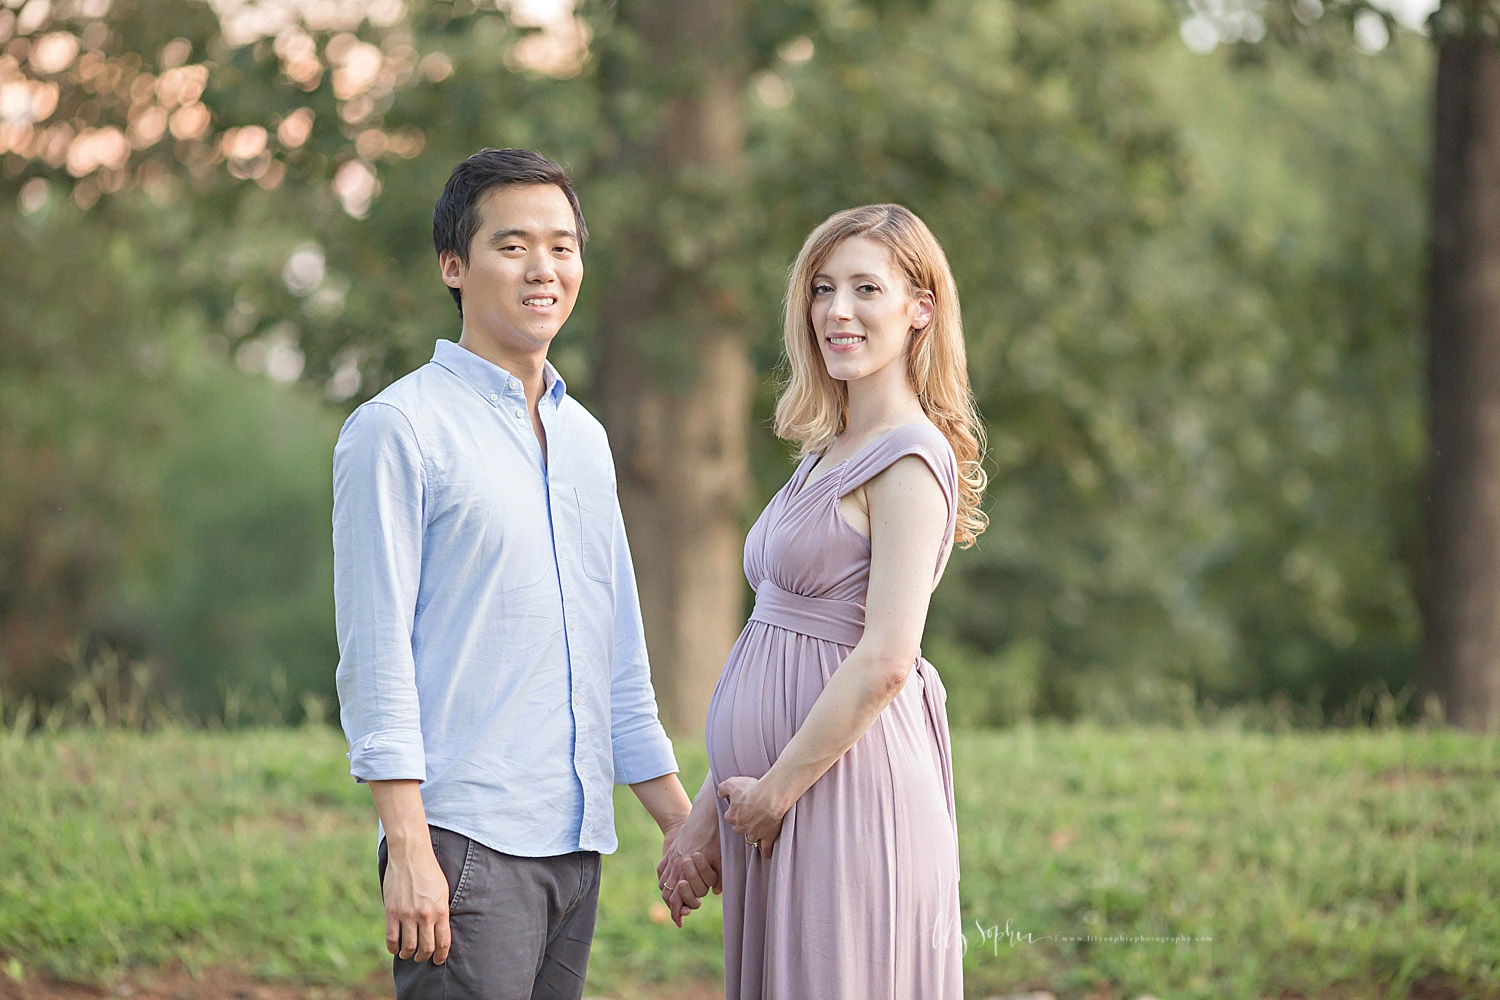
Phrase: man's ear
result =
(453, 269)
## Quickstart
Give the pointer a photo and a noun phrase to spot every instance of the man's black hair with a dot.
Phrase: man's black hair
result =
(456, 218)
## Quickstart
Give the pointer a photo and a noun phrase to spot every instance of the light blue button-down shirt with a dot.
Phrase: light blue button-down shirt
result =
(490, 641)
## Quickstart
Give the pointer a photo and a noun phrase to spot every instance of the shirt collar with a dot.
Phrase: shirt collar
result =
(492, 381)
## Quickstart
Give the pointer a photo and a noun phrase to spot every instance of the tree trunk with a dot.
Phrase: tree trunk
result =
(1461, 596)
(675, 380)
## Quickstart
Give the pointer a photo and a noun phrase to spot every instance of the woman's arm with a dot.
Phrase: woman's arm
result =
(690, 860)
(908, 516)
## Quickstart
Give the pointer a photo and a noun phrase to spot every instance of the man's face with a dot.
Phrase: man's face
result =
(524, 267)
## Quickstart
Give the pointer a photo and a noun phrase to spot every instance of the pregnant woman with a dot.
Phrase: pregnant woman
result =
(828, 810)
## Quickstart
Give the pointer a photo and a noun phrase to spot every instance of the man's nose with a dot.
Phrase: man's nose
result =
(540, 268)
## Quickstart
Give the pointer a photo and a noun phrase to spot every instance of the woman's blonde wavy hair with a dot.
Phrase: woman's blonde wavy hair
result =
(814, 406)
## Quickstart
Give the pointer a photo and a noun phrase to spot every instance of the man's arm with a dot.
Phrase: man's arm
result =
(665, 799)
(642, 753)
(643, 757)
(378, 521)
(692, 857)
(415, 890)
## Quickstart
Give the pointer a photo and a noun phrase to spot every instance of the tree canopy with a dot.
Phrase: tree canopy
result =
(1191, 297)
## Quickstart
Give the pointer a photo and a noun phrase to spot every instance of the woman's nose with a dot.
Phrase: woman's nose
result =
(842, 306)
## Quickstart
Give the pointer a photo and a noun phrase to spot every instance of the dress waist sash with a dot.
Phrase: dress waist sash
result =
(843, 622)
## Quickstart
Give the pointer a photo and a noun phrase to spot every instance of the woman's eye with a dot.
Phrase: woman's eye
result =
(822, 289)
(868, 288)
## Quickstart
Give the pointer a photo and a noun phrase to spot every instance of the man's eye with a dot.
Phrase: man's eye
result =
(562, 249)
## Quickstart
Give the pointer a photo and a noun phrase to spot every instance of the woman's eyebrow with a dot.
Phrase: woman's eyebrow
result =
(865, 275)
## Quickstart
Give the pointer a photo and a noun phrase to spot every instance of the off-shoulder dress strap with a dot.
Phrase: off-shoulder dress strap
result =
(927, 443)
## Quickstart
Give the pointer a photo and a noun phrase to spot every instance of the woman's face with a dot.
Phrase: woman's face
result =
(862, 311)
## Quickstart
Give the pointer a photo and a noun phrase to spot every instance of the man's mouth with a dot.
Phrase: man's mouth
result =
(539, 301)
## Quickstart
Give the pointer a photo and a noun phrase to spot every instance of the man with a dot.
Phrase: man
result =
(492, 674)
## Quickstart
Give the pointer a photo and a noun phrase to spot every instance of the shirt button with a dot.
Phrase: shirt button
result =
(494, 397)
(521, 413)
(515, 385)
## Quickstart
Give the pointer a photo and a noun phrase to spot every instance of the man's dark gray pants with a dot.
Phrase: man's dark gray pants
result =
(521, 927)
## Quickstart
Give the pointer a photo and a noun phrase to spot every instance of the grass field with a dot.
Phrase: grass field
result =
(1335, 864)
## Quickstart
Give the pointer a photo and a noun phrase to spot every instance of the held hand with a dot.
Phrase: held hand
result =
(682, 897)
(416, 904)
(689, 866)
(753, 812)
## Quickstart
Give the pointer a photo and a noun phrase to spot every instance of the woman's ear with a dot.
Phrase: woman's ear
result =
(922, 314)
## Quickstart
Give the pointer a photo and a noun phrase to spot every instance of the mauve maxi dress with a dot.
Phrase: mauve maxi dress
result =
(859, 899)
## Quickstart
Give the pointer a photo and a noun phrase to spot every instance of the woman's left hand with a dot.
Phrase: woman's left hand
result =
(754, 813)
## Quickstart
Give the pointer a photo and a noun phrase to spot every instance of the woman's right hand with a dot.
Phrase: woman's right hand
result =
(690, 862)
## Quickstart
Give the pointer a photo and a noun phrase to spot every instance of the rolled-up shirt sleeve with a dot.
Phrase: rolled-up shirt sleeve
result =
(379, 490)
(640, 745)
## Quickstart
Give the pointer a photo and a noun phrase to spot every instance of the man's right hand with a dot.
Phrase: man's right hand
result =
(416, 903)
(415, 889)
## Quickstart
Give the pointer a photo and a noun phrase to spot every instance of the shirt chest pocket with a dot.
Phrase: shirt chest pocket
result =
(596, 526)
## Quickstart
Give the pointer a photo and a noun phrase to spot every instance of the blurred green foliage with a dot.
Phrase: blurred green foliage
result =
(1191, 291)
(161, 505)
(1208, 434)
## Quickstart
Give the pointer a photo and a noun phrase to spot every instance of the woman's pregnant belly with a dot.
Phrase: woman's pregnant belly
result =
(769, 683)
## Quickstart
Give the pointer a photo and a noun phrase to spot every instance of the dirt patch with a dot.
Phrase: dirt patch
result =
(1447, 988)
(1434, 987)
(179, 984)
(1432, 776)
